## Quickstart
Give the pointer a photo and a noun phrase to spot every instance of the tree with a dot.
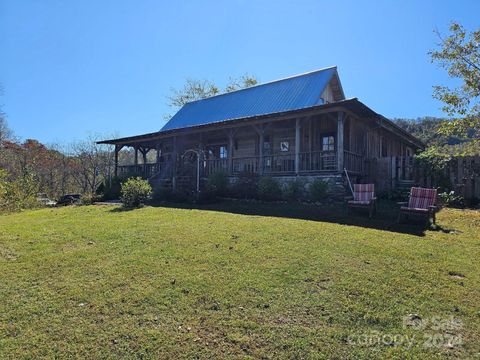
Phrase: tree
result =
(5, 132)
(201, 89)
(93, 163)
(459, 54)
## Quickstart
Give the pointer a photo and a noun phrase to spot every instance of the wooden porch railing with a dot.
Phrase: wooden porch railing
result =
(318, 161)
(310, 162)
(353, 162)
(215, 165)
(279, 163)
(144, 170)
(245, 164)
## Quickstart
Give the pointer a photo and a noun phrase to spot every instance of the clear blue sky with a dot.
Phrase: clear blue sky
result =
(70, 68)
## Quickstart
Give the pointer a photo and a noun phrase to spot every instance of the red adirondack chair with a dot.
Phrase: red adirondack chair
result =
(422, 202)
(363, 197)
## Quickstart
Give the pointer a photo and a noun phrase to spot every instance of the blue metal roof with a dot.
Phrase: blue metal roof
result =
(291, 93)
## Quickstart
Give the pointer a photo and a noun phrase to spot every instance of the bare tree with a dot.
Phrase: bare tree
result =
(93, 163)
(5, 132)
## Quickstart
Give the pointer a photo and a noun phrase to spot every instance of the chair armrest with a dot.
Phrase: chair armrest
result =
(374, 198)
(402, 203)
(433, 208)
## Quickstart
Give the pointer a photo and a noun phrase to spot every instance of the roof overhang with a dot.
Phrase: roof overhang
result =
(352, 106)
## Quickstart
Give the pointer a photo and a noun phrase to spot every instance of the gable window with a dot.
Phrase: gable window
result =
(328, 143)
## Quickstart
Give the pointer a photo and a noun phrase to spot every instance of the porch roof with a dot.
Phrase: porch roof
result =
(353, 106)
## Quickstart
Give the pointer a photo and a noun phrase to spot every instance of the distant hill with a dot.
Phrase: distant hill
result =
(426, 129)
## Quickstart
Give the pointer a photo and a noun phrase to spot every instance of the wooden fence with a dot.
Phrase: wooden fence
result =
(461, 174)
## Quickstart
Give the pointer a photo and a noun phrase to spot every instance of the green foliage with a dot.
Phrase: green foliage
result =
(162, 193)
(18, 193)
(433, 160)
(206, 196)
(293, 189)
(110, 189)
(318, 190)
(218, 183)
(134, 192)
(268, 189)
(398, 194)
(245, 186)
(450, 199)
(460, 56)
(90, 198)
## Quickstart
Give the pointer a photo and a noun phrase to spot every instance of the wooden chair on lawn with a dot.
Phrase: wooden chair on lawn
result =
(422, 202)
(364, 198)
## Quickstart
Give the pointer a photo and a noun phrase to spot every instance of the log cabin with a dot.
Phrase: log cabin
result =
(297, 127)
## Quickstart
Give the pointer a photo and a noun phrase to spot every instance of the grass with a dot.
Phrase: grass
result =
(236, 280)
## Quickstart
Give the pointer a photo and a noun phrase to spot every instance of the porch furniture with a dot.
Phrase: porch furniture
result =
(364, 198)
(422, 202)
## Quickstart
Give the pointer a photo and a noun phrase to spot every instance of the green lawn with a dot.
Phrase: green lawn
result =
(236, 280)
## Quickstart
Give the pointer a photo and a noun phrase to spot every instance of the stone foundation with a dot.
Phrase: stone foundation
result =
(337, 186)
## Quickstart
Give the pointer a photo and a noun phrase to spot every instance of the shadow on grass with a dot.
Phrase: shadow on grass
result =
(124, 209)
(385, 219)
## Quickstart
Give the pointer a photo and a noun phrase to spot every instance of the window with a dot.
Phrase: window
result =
(217, 152)
(223, 152)
(328, 143)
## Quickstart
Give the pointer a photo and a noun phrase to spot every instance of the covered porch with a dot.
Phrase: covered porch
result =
(304, 143)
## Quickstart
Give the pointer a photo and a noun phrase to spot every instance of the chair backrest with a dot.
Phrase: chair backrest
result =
(422, 198)
(363, 192)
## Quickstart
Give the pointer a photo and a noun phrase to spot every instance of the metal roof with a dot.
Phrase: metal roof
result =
(293, 93)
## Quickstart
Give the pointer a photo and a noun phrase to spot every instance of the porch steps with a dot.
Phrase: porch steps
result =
(405, 184)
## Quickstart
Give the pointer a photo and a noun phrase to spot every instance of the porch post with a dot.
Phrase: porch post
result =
(231, 139)
(158, 153)
(261, 139)
(117, 149)
(174, 165)
(340, 128)
(136, 154)
(297, 146)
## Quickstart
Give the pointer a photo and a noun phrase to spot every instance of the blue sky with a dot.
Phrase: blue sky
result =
(72, 68)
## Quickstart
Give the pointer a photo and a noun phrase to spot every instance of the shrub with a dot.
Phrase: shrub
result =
(268, 189)
(217, 183)
(19, 193)
(293, 189)
(162, 193)
(90, 198)
(318, 190)
(245, 186)
(134, 192)
(110, 189)
(207, 196)
(399, 194)
(451, 200)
